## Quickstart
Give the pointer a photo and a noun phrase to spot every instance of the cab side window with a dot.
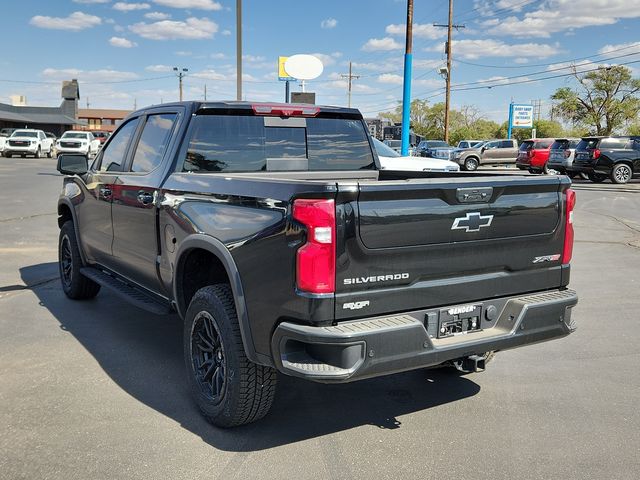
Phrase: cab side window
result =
(153, 142)
(506, 144)
(113, 156)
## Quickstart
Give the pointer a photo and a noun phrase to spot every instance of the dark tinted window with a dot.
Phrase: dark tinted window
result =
(153, 142)
(437, 144)
(573, 143)
(113, 154)
(526, 146)
(560, 145)
(506, 144)
(636, 144)
(234, 143)
(541, 145)
(588, 144)
(613, 143)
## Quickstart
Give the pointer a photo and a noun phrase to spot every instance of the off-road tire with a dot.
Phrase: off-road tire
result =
(621, 173)
(74, 284)
(247, 389)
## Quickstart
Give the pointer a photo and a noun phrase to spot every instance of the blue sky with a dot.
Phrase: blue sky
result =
(122, 52)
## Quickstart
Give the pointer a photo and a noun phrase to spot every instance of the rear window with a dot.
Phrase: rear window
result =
(542, 144)
(526, 146)
(560, 145)
(613, 143)
(238, 143)
(587, 144)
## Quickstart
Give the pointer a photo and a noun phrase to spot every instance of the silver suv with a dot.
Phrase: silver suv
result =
(561, 155)
(488, 153)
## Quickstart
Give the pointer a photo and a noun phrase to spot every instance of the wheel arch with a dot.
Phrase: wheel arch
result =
(66, 212)
(222, 258)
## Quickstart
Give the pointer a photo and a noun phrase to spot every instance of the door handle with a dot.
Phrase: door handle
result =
(105, 192)
(145, 198)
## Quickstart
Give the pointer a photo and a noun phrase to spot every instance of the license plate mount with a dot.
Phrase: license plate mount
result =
(459, 320)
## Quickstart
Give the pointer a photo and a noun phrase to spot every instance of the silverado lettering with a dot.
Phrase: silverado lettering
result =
(378, 278)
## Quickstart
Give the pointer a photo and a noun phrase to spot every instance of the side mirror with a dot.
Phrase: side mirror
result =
(69, 164)
(483, 149)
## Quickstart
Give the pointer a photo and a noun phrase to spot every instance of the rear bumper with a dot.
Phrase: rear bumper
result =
(382, 345)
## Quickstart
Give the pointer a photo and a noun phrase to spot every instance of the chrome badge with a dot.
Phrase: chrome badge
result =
(472, 222)
(547, 258)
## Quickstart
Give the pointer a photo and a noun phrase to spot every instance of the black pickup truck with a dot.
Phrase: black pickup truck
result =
(271, 231)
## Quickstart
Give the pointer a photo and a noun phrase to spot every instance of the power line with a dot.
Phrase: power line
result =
(350, 77)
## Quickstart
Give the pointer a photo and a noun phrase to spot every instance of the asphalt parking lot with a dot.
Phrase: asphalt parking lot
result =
(96, 389)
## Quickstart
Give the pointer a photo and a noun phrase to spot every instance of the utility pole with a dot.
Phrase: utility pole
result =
(449, 26)
(181, 73)
(406, 87)
(350, 77)
(239, 50)
(88, 103)
(205, 92)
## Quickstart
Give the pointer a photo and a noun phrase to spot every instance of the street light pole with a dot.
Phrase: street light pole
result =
(239, 50)
(181, 73)
(406, 91)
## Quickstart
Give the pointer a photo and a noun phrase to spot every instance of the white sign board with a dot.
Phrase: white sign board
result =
(521, 116)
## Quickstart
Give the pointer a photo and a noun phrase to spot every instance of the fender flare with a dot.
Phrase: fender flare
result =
(221, 252)
(67, 203)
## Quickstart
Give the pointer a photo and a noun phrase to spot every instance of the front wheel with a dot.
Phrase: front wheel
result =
(471, 164)
(621, 173)
(74, 284)
(229, 389)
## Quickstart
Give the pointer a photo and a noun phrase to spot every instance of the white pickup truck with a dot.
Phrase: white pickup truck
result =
(28, 142)
(74, 141)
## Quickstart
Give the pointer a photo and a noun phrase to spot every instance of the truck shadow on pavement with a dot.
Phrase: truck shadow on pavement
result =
(142, 354)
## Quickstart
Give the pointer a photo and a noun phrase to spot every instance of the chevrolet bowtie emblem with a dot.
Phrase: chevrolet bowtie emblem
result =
(472, 222)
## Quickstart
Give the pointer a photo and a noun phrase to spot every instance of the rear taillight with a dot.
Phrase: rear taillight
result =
(316, 259)
(567, 153)
(570, 202)
(596, 153)
(287, 110)
(531, 153)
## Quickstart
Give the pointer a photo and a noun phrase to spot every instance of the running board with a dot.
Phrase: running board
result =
(128, 292)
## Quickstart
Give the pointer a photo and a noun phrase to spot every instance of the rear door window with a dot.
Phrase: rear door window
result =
(587, 144)
(543, 144)
(526, 146)
(560, 145)
(506, 144)
(242, 143)
(613, 143)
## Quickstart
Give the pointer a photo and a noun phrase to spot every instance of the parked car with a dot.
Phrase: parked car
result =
(561, 155)
(533, 154)
(75, 141)
(492, 152)
(100, 135)
(434, 149)
(617, 158)
(6, 132)
(318, 264)
(392, 160)
(28, 142)
(469, 143)
(396, 145)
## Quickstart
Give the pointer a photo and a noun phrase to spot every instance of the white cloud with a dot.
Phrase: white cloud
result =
(75, 22)
(157, 16)
(118, 28)
(386, 44)
(103, 75)
(328, 23)
(195, 4)
(226, 32)
(521, 61)
(394, 79)
(569, 67)
(158, 68)
(122, 42)
(211, 74)
(424, 30)
(560, 15)
(625, 47)
(253, 58)
(218, 56)
(327, 60)
(474, 49)
(130, 7)
(183, 53)
(190, 29)
(390, 78)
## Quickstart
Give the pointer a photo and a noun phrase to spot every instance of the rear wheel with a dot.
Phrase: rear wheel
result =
(621, 173)
(38, 153)
(471, 164)
(229, 389)
(50, 152)
(74, 284)
(597, 178)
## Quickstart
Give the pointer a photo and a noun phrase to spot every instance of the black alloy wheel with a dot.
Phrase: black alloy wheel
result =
(207, 356)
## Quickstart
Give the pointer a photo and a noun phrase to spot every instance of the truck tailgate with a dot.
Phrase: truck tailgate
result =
(420, 243)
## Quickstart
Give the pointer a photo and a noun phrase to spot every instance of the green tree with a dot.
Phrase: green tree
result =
(544, 129)
(605, 100)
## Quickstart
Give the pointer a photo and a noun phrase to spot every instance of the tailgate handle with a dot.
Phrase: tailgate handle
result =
(474, 194)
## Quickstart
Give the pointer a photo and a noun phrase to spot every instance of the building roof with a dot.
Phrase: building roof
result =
(50, 115)
(102, 113)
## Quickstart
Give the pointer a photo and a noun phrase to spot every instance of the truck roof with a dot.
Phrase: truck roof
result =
(230, 105)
